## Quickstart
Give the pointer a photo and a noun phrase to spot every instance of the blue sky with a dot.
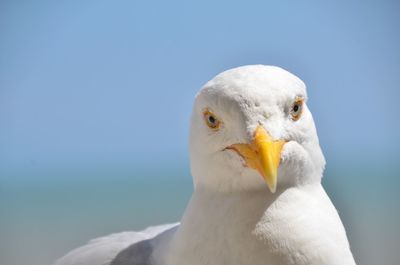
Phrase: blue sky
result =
(112, 82)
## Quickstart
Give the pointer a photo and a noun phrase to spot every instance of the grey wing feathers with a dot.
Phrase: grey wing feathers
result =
(136, 254)
(103, 250)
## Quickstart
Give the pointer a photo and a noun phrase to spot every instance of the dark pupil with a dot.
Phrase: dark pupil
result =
(211, 119)
(295, 108)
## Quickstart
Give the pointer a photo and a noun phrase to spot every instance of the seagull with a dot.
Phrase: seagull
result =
(257, 166)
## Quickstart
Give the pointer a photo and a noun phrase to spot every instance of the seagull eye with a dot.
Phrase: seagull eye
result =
(297, 109)
(211, 120)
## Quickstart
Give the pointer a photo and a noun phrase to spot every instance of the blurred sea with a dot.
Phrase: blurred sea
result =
(45, 215)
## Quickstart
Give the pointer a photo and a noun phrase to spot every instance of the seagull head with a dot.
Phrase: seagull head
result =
(251, 130)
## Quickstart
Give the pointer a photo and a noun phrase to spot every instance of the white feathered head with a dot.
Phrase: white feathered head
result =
(250, 126)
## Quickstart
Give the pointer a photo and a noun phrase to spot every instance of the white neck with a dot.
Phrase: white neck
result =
(216, 221)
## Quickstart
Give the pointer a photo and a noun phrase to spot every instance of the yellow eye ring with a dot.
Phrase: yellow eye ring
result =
(211, 120)
(297, 109)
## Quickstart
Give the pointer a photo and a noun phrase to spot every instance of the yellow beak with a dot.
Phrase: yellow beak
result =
(262, 154)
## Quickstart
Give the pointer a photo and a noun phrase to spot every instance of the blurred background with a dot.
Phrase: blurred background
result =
(95, 99)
